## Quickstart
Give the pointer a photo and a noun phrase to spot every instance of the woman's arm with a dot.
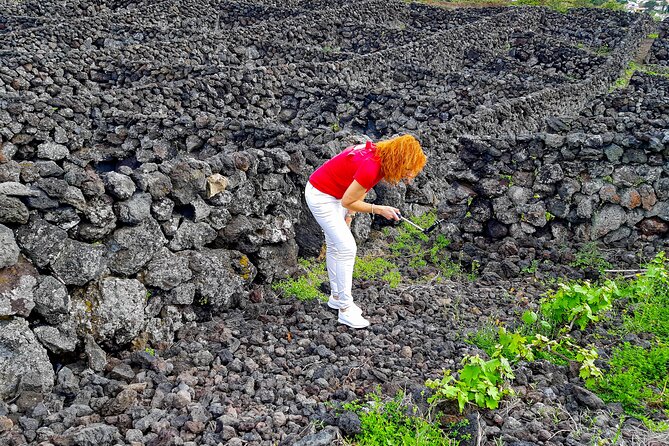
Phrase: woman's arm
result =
(353, 201)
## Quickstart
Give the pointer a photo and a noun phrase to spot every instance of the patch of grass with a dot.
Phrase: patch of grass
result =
(565, 5)
(624, 80)
(638, 379)
(532, 268)
(485, 338)
(649, 295)
(632, 67)
(372, 268)
(386, 423)
(307, 286)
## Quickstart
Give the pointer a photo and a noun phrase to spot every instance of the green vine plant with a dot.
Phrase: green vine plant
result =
(481, 382)
(579, 303)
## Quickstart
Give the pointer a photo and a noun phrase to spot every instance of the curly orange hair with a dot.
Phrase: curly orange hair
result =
(400, 157)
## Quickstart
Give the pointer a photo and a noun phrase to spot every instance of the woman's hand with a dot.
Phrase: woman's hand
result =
(389, 212)
(353, 201)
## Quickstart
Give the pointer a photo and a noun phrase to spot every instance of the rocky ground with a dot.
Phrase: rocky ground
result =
(152, 162)
(275, 370)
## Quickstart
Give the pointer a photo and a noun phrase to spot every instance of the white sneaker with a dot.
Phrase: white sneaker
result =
(352, 319)
(335, 304)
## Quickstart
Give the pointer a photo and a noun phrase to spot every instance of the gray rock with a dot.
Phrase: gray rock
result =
(613, 153)
(349, 423)
(100, 213)
(135, 210)
(122, 372)
(75, 198)
(10, 171)
(56, 340)
(660, 210)
(157, 184)
(12, 210)
(550, 174)
(53, 187)
(52, 151)
(162, 209)
(608, 219)
(9, 250)
(277, 261)
(183, 294)
(17, 190)
(49, 169)
(504, 210)
(585, 207)
(119, 185)
(535, 214)
(120, 403)
(220, 276)
(201, 210)
(65, 217)
(519, 195)
(167, 270)
(41, 241)
(24, 364)
(325, 437)
(132, 247)
(219, 218)
(96, 434)
(189, 178)
(16, 288)
(40, 200)
(77, 263)
(97, 358)
(52, 300)
(587, 398)
(554, 141)
(192, 235)
(112, 310)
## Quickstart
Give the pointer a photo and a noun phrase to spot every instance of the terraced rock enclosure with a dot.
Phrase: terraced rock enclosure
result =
(153, 157)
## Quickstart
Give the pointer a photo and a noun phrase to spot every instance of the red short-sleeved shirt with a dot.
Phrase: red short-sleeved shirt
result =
(354, 163)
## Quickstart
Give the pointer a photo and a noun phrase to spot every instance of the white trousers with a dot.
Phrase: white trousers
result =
(340, 244)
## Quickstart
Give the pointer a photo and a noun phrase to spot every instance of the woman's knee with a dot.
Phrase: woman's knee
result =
(347, 249)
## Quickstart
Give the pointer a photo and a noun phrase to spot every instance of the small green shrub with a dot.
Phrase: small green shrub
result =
(579, 303)
(386, 423)
(532, 268)
(307, 286)
(371, 268)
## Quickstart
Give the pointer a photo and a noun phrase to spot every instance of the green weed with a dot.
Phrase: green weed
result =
(372, 268)
(638, 379)
(589, 256)
(307, 286)
(386, 423)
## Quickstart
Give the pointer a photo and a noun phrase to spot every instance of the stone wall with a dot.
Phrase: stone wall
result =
(659, 52)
